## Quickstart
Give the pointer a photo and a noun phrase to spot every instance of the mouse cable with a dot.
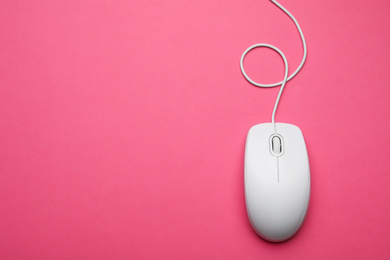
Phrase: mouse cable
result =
(285, 79)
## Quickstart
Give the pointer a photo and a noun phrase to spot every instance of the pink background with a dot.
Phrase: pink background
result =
(123, 126)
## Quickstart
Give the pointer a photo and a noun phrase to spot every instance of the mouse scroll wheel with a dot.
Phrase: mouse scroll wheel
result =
(276, 145)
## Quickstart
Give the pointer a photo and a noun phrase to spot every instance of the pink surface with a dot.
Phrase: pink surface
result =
(123, 126)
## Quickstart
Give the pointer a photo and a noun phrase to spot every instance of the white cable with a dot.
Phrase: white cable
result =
(285, 79)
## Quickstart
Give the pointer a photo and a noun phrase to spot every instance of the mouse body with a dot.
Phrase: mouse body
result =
(277, 180)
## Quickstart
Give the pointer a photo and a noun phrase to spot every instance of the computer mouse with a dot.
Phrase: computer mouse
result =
(277, 180)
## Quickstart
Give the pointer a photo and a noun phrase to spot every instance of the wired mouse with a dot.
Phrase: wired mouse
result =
(277, 172)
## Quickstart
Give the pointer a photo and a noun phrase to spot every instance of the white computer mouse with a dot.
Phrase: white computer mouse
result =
(277, 180)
